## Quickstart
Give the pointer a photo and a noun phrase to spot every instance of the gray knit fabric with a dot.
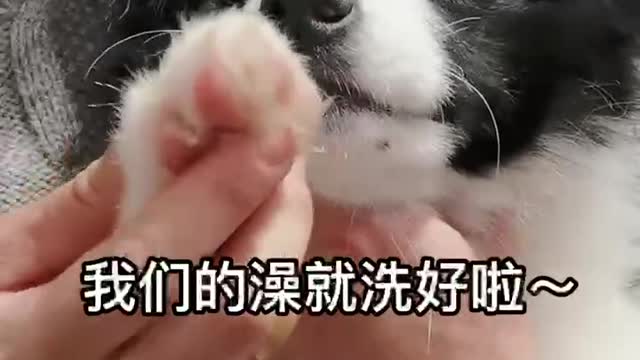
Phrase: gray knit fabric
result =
(46, 46)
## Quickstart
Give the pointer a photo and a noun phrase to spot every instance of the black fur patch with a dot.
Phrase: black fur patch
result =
(543, 66)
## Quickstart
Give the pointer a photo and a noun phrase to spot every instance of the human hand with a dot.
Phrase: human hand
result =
(239, 210)
(407, 233)
(42, 309)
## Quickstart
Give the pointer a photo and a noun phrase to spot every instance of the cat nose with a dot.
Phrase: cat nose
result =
(309, 19)
(330, 11)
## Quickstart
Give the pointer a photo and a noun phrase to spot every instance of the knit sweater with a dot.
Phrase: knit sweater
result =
(53, 120)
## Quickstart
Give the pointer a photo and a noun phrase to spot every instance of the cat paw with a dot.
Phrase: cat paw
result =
(230, 71)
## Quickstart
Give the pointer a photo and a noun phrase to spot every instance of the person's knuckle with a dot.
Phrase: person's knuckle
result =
(242, 194)
(137, 244)
(247, 190)
(83, 191)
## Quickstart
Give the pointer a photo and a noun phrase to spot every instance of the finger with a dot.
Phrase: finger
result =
(416, 232)
(279, 229)
(192, 218)
(437, 239)
(39, 240)
(284, 235)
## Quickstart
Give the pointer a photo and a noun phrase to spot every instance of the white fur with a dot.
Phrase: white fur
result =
(578, 214)
(394, 60)
(239, 54)
(574, 205)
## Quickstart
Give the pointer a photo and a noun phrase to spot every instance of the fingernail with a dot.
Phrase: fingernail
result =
(110, 154)
(103, 175)
(281, 331)
(278, 149)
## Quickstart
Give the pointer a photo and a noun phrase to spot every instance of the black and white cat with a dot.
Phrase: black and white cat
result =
(474, 106)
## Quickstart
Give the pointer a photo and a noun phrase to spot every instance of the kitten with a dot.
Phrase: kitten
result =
(529, 113)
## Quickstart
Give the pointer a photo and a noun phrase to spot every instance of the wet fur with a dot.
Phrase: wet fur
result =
(561, 80)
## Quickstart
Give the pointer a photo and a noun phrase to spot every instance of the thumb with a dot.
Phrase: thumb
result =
(41, 239)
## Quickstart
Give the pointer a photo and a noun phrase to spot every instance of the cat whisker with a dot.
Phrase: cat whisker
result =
(110, 86)
(491, 113)
(120, 42)
(112, 104)
(451, 31)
